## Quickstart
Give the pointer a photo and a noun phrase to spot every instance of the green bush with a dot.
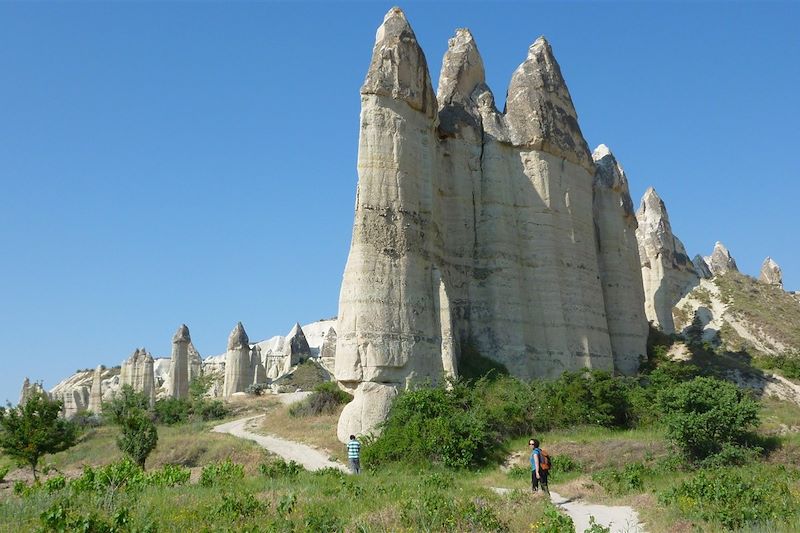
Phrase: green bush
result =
(619, 482)
(787, 365)
(169, 476)
(4, 470)
(565, 463)
(170, 411)
(325, 400)
(704, 414)
(553, 521)
(139, 436)
(733, 497)
(280, 469)
(123, 403)
(222, 473)
(438, 424)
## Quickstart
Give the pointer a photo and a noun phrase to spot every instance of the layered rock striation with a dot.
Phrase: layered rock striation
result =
(479, 231)
(137, 371)
(667, 272)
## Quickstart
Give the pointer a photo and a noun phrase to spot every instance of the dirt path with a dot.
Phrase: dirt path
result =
(618, 518)
(310, 458)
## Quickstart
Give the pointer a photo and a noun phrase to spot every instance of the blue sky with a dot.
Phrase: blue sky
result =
(163, 163)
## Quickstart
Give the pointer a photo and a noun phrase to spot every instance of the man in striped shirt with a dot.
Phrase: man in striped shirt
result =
(354, 454)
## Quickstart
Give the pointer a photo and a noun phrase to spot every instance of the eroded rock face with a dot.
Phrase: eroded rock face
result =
(96, 392)
(238, 368)
(618, 254)
(720, 260)
(178, 384)
(476, 228)
(76, 400)
(327, 352)
(257, 366)
(370, 405)
(137, 371)
(667, 272)
(771, 273)
(701, 267)
(29, 389)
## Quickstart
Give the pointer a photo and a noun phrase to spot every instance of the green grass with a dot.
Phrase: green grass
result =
(306, 376)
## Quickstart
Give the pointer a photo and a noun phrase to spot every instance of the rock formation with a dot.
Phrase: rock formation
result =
(29, 389)
(178, 384)
(137, 371)
(771, 273)
(720, 260)
(327, 352)
(76, 400)
(96, 392)
(238, 369)
(701, 267)
(667, 272)
(195, 363)
(474, 229)
(257, 366)
(618, 254)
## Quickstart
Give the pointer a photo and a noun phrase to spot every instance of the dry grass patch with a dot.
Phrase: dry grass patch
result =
(317, 431)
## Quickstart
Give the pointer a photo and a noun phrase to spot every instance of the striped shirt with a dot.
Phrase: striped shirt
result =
(353, 449)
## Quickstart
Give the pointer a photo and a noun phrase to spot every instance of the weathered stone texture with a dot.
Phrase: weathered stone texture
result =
(178, 380)
(475, 227)
(720, 260)
(96, 392)
(238, 368)
(667, 272)
(771, 273)
(137, 371)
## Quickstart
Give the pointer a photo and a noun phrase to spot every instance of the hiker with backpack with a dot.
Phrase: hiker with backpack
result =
(540, 467)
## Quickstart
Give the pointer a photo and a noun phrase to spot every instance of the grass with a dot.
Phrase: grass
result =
(769, 309)
(306, 376)
(317, 431)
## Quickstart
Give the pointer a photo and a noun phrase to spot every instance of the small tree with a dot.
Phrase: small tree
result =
(29, 431)
(694, 333)
(706, 414)
(139, 436)
(124, 403)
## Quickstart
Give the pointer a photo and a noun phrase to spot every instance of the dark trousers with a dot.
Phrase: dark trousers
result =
(355, 466)
(541, 480)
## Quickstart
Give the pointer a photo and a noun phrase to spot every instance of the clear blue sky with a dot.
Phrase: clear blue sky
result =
(196, 162)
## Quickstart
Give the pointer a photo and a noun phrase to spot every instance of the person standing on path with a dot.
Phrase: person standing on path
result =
(354, 455)
(538, 474)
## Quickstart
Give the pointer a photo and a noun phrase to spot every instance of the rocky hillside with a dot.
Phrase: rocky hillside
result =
(742, 314)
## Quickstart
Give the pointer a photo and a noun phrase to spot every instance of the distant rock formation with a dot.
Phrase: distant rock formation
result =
(701, 267)
(720, 260)
(29, 389)
(76, 400)
(667, 272)
(771, 273)
(238, 369)
(137, 371)
(280, 354)
(178, 384)
(257, 366)
(96, 393)
(327, 353)
(476, 228)
(195, 363)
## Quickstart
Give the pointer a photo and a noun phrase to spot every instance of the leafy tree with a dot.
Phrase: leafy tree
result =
(125, 403)
(29, 431)
(694, 333)
(704, 415)
(139, 436)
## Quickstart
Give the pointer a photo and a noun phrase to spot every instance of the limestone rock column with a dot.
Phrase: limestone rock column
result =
(238, 374)
(771, 273)
(179, 364)
(620, 267)
(96, 394)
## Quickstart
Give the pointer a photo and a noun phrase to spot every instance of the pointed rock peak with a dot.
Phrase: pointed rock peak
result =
(182, 335)
(721, 260)
(296, 330)
(99, 369)
(609, 172)
(238, 338)
(771, 273)
(701, 267)
(539, 108)
(398, 68)
(601, 151)
(462, 70)
(652, 205)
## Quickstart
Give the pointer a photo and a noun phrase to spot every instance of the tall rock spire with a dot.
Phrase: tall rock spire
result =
(238, 367)
(539, 109)
(179, 364)
(96, 392)
(620, 267)
(667, 272)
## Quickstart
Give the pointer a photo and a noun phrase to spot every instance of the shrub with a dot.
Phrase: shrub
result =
(624, 481)
(124, 403)
(326, 399)
(519, 472)
(234, 506)
(280, 468)
(209, 410)
(4, 470)
(438, 424)
(169, 476)
(171, 411)
(31, 430)
(553, 521)
(221, 473)
(60, 516)
(139, 436)
(565, 463)
(704, 414)
(733, 497)
(787, 364)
